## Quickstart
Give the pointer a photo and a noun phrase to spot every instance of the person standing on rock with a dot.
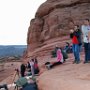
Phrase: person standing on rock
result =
(32, 66)
(86, 39)
(36, 67)
(23, 69)
(75, 35)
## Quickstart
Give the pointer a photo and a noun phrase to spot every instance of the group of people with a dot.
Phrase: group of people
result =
(79, 37)
(61, 56)
(31, 66)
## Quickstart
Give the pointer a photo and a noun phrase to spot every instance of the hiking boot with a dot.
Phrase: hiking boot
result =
(85, 62)
(77, 62)
(74, 61)
(88, 61)
(64, 61)
(48, 67)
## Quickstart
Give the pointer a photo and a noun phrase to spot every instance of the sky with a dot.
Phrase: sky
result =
(15, 16)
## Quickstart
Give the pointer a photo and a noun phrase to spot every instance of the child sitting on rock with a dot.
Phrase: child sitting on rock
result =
(59, 60)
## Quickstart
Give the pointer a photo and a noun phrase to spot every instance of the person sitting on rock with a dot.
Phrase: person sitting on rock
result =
(54, 52)
(59, 60)
(32, 66)
(36, 67)
(68, 48)
(28, 67)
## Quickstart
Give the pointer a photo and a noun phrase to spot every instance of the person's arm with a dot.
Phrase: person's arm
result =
(78, 33)
(71, 33)
(82, 32)
(89, 36)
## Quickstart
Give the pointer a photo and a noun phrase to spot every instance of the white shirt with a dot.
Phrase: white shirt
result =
(31, 64)
(85, 31)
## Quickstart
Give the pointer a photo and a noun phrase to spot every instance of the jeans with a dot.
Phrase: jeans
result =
(76, 52)
(55, 64)
(80, 48)
(87, 51)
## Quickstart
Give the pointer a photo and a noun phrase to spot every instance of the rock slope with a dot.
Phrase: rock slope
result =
(66, 77)
(52, 22)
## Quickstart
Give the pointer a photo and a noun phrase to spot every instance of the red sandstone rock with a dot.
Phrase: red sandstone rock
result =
(67, 76)
(53, 19)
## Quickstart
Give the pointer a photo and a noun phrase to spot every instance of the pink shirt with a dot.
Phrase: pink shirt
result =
(59, 56)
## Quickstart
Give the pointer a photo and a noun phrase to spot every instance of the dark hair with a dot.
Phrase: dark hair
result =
(36, 60)
(67, 43)
(77, 26)
(60, 48)
(87, 20)
(32, 60)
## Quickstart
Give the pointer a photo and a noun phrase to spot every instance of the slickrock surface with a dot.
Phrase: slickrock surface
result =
(66, 77)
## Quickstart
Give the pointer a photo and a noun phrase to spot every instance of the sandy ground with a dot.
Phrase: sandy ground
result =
(8, 74)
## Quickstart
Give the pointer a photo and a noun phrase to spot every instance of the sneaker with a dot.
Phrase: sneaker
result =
(77, 62)
(64, 61)
(48, 67)
(74, 62)
(85, 62)
(88, 61)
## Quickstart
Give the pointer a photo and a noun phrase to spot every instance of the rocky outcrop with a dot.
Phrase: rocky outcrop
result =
(66, 77)
(53, 20)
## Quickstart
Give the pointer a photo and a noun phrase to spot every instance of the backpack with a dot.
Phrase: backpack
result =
(21, 81)
(80, 37)
(65, 55)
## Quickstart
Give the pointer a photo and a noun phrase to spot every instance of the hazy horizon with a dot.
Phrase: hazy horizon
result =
(15, 16)
(12, 44)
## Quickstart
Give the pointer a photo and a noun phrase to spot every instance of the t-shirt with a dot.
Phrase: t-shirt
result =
(35, 65)
(31, 64)
(59, 56)
(75, 40)
(85, 31)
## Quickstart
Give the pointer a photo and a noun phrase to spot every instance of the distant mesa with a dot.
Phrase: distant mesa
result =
(12, 50)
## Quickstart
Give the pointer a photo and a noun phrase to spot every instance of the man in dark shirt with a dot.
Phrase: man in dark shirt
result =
(76, 41)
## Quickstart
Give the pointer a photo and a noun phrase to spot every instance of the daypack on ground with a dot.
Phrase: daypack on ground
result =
(21, 82)
(65, 55)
